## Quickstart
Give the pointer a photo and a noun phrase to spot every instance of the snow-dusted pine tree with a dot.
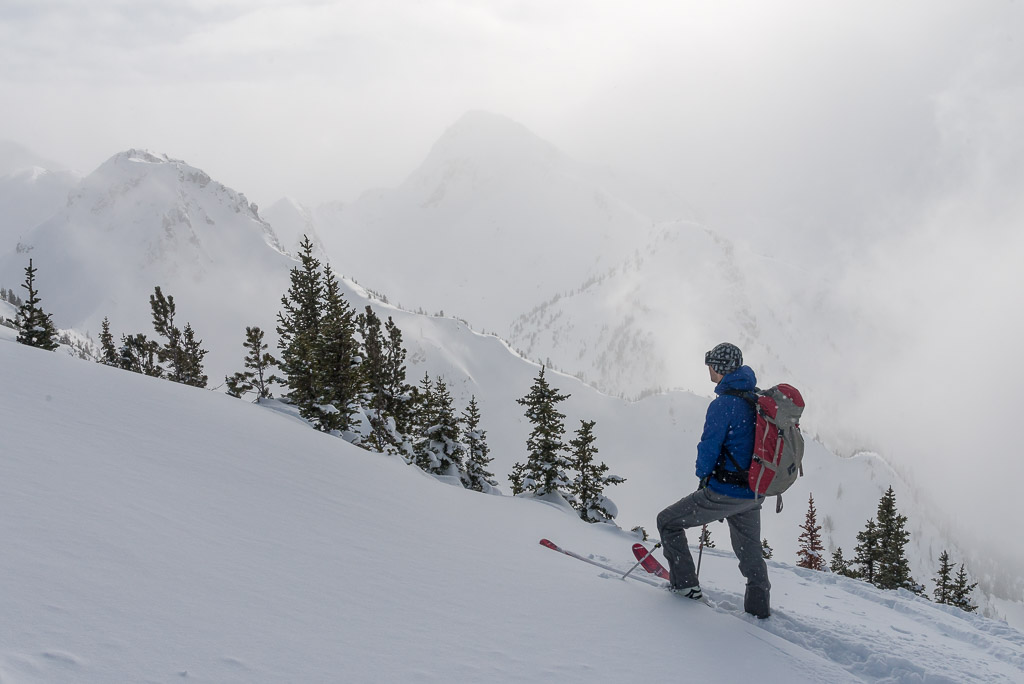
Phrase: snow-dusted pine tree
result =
(961, 595)
(587, 488)
(259, 363)
(893, 566)
(440, 452)
(867, 552)
(35, 326)
(390, 397)
(139, 355)
(944, 580)
(766, 551)
(478, 478)
(705, 538)
(298, 329)
(339, 377)
(545, 469)
(108, 352)
(181, 351)
(840, 565)
(810, 553)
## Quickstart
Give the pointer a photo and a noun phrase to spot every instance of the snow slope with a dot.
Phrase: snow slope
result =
(155, 532)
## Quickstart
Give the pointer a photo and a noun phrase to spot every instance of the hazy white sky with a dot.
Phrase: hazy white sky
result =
(892, 132)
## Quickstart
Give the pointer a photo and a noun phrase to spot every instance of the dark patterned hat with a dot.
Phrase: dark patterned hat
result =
(724, 359)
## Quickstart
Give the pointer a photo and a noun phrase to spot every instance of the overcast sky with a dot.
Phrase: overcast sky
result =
(891, 132)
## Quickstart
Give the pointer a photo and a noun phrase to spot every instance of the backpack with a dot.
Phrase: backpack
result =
(778, 443)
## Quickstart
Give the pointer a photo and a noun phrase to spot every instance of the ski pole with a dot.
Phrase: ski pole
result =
(628, 572)
(700, 548)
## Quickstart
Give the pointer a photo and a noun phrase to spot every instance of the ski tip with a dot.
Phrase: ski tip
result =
(548, 543)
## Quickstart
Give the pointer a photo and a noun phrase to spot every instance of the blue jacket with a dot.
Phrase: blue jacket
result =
(729, 426)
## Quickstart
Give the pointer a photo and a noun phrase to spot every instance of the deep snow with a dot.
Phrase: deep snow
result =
(156, 532)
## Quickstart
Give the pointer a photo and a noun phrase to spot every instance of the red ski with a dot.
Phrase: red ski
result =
(649, 562)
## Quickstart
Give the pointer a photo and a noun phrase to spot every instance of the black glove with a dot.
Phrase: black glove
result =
(703, 482)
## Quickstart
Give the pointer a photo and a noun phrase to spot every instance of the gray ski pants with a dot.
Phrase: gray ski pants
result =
(744, 518)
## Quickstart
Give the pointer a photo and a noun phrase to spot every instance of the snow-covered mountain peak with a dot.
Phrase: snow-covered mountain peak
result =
(484, 153)
(172, 206)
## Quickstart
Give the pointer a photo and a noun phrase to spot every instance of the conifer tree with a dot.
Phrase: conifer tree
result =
(944, 580)
(422, 418)
(478, 478)
(192, 353)
(705, 538)
(108, 352)
(810, 553)
(35, 327)
(840, 565)
(546, 463)
(390, 395)
(258, 376)
(337, 358)
(962, 589)
(766, 551)
(441, 452)
(587, 488)
(139, 355)
(397, 391)
(181, 350)
(893, 566)
(867, 552)
(298, 329)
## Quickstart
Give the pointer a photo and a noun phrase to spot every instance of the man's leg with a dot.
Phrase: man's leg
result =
(697, 509)
(745, 533)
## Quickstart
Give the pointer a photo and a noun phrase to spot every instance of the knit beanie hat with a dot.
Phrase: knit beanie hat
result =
(724, 359)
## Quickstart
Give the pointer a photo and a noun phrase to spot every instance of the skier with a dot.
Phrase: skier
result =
(723, 455)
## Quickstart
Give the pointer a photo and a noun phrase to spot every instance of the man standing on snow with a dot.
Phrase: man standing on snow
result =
(723, 458)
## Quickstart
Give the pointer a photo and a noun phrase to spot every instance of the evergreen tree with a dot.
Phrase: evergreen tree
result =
(397, 391)
(517, 479)
(390, 395)
(893, 566)
(544, 471)
(139, 355)
(478, 478)
(441, 452)
(35, 327)
(705, 538)
(180, 350)
(192, 354)
(337, 358)
(840, 565)
(810, 553)
(258, 363)
(422, 417)
(766, 551)
(962, 591)
(867, 552)
(587, 489)
(298, 329)
(944, 580)
(108, 352)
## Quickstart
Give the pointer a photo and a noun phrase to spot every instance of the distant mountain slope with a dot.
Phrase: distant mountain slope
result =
(493, 221)
(142, 220)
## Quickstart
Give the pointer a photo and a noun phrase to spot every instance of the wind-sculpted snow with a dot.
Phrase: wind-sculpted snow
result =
(156, 532)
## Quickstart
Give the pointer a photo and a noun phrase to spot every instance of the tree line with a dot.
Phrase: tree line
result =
(345, 374)
(880, 557)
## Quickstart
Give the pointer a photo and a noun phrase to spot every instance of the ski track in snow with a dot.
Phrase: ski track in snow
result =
(832, 630)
